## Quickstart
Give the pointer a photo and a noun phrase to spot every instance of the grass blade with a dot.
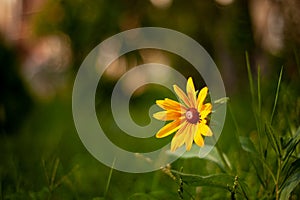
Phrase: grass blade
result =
(290, 149)
(109, 177)
(273, 140)
(276, 95)
(54, 171)
(290, 185)
(45, 172)
(65, 177)
(257, 112)
(250, 76)
(258, 90)
(288, 171)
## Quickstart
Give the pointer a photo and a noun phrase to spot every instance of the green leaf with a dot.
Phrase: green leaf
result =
(212, 156)
(244, 189)
(290, 185)
(273, 140)
(250, 76)
(292, 144)
(247, 144)
(216, 180)
(215, 157)
(285, 141)
(276, 95)
(295, 166)
(259, 90)
(292, 178)
(223, 181)
(287, 172)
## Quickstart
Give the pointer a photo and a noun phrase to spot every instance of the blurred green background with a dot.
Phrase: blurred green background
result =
(44, 42)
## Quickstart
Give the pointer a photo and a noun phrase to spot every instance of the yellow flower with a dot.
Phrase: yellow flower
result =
(189, 117)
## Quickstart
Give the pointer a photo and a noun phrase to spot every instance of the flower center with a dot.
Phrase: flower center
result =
(192, 115)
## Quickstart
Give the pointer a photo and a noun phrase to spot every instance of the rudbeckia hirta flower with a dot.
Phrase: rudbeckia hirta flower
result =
(189, 117)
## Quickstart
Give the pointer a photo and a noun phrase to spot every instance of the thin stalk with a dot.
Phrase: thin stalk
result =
(258, 174)
(259, 117)
(222, 157)
(250, 76)
(277, 178)
(65, 177)
(268, 169)
(189, 194)
(276, 95)
(257, 112)
(253, 98)
(46, 173)
(258, 90)
(178, 180)
(109, 177)
(235, 124)
(52, 181)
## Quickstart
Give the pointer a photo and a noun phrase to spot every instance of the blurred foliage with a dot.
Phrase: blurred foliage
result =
(87, 23)
(12, 110)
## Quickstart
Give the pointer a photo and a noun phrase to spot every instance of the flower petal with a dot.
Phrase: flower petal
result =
(205, 110)
(190, 90)
(169, 104)
(167, 115)
(189, 136)
(201, 97)
(203, 129)
(169, 128)
(182, 95)
(178, 139)
(198, 137)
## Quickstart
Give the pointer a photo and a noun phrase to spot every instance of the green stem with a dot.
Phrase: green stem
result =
(180, 187)
(235, 124)
(258, 114)
(109, 177)
(277, 178)
(258, 90)
(250, 76)
(222, 157)
(268, 169)
(253, 98)
(276, 95)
